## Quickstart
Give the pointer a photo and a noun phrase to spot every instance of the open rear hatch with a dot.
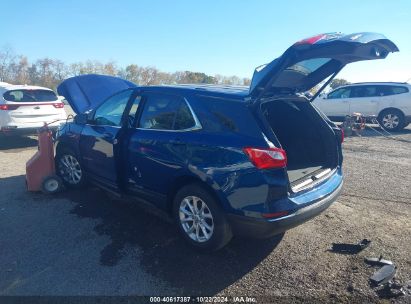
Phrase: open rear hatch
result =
(309, 141)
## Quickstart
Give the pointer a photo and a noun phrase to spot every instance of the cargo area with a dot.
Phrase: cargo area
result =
(308, 141)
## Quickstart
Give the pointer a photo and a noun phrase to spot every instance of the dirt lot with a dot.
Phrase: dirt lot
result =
(83, 243)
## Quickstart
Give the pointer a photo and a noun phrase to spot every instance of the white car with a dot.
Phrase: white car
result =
(390, 102)
(24, 109)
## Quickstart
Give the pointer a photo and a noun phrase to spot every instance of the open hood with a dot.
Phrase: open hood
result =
(87, 92)
(310, 61)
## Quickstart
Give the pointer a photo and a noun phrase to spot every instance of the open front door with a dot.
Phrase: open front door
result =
(100, 141)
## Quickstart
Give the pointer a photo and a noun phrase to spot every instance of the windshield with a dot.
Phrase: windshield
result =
(29, 95)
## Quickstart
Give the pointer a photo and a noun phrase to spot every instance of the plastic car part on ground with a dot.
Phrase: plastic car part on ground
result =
(383, 275)
(377, 261)
(344, 248)
(383, 280)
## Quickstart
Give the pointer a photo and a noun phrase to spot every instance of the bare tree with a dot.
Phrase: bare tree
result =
(50, 72)
(149, 76)
(7, 59)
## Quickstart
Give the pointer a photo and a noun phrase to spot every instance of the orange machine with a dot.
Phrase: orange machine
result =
(40, 169)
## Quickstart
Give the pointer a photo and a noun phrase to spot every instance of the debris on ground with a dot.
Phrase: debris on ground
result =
(377, 261)
(383, 275)
(345, 248)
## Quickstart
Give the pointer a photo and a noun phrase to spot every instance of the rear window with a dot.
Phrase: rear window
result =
(399, 90)
(303, 73)
(386, 90)
(224, 115)
(29, 95)
(306, 67)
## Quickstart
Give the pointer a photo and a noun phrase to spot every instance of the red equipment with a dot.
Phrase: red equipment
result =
(40, 169)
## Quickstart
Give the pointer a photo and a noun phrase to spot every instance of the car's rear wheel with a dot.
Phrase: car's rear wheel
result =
(392, 120)
(200, 219)
(69, 169)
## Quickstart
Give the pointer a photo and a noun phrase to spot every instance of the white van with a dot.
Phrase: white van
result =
(390, 102)
(24, 109)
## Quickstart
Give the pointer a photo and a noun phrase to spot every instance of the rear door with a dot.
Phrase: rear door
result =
(157, 149)
(364, 99)
(32, 106)
(311, 61)
(100, 138)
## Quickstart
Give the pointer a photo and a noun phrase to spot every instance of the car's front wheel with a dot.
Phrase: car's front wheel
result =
(200, 219)
(392, 120)
(69, 169)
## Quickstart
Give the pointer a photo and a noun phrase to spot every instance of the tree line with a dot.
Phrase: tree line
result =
(48, 72)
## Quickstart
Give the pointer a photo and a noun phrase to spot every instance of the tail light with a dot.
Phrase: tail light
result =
(269, 158)
(58, 105)
(7, 107)
(339, 132)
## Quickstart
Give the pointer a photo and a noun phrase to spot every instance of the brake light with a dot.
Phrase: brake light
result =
(58, 105)
(7, 107)
(311, 40)
(269, 158)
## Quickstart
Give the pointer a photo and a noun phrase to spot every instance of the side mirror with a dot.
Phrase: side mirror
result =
(81, 119)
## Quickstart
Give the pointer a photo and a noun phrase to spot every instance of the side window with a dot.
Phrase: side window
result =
(364, 91)
(399, 90)
(340, 93)
(166, 112)
(219, 116)
(385, 90)
(111, 111)
(184, 118)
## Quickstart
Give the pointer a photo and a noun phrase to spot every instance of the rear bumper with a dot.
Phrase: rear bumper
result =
(263, 228)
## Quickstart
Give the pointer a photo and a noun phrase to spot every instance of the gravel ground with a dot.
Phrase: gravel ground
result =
(83, 243)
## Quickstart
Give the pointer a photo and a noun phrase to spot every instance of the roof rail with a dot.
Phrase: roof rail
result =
(390, 82)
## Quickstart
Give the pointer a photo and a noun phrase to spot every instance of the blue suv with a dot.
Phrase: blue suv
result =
(221, 160)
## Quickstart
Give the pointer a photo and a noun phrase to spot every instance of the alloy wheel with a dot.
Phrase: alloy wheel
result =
(196, 219)
(70, 169)
(390, 121)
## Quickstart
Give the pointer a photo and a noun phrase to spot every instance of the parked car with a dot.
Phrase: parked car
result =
(390, 102)
(24, 109)
(220, 160)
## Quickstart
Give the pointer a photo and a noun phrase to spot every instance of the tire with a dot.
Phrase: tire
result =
(69, 169)
(51, 184)
(392, 120)
(192, 222)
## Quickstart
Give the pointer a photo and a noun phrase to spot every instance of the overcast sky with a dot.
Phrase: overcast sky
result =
(228, 37)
